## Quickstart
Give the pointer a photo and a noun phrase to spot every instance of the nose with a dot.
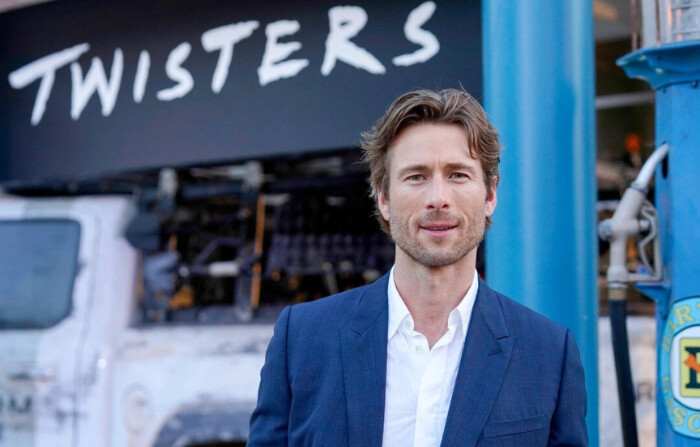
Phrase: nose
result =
(437, 195)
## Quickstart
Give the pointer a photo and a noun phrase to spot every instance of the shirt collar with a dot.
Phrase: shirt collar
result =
(464, 308)
(399, 312)
(397, 308)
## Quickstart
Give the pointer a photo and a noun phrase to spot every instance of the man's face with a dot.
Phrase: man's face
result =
(437, 202)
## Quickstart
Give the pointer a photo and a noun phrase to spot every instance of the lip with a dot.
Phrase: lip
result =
(438, 229)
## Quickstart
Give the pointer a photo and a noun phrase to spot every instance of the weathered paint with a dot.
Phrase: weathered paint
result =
(112, 384)
(210, 367)
(50, 355)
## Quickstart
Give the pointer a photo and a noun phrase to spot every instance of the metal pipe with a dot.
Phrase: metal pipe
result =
(551, 251)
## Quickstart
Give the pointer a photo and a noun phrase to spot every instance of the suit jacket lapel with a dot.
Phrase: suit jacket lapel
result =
(363, 345)
(482, 368)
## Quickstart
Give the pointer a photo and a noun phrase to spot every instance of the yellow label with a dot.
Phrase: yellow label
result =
(690, 367)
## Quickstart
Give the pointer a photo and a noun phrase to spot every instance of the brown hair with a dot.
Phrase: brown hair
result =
(449, 106)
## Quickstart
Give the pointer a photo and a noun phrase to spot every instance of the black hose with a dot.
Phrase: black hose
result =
(625, 386)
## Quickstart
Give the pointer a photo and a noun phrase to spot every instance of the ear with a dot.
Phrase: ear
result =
(383, 204)
(491, 200)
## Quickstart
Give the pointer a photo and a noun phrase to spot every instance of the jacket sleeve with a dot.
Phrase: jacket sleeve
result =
(268, 425)
(568, 425)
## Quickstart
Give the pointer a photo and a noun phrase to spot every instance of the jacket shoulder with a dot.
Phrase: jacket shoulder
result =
(528, 324)
(338, 302)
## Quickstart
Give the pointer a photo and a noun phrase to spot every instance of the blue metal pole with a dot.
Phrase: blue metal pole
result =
(539, 93)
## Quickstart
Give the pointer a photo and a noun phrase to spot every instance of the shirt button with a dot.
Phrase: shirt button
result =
(407, 324)
(419, 348)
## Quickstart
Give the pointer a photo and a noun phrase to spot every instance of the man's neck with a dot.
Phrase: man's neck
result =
(430, 294)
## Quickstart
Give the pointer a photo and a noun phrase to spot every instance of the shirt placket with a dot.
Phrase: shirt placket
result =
(430, 394)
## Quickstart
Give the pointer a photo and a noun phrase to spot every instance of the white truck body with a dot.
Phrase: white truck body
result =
(95, 378)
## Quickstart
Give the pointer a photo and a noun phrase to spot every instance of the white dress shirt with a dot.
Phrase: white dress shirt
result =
(419, 380)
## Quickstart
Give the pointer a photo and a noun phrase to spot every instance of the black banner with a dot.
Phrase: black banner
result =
(96, 87)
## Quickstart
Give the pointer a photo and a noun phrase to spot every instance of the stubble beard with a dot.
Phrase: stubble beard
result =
(437, 256)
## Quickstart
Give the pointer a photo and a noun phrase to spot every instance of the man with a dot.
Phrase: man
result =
(428, 355)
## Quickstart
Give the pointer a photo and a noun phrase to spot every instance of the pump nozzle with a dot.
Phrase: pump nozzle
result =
(633, 216)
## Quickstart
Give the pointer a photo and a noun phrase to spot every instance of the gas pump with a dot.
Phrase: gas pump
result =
(669, 61)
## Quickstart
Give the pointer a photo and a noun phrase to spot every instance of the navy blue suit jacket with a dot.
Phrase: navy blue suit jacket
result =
(520, 380)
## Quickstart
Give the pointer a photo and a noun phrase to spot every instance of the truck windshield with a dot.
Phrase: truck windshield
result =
(38, 262)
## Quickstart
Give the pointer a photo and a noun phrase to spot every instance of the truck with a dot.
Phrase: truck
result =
(136, 311)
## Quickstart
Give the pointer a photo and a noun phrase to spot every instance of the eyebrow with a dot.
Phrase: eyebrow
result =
(412, 168)
(449, 167)
(460, 167)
